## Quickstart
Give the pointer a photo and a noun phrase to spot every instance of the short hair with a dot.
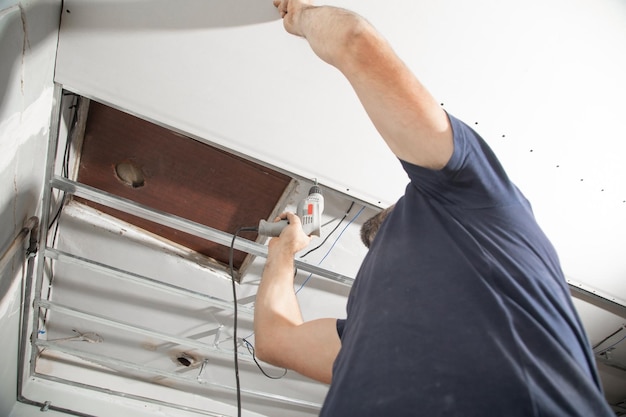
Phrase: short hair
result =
(371, 226)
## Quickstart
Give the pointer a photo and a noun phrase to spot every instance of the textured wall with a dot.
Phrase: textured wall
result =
(28, 40)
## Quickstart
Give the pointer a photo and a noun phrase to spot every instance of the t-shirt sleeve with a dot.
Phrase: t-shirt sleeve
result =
(341, 323)
(472, 178)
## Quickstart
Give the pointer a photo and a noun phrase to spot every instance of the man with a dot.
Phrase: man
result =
(460, 306)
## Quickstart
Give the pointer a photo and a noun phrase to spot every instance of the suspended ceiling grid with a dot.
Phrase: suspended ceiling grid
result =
(143, 355)
(537, 92)
(129, 312)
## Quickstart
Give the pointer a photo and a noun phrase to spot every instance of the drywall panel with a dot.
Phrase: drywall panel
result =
(230, 74)
(541, 80)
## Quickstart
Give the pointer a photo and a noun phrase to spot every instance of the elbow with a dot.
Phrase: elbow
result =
(267, 348)
(349, 40)
(359, 48)
(262, 348)
(266, 342)
(265, 354)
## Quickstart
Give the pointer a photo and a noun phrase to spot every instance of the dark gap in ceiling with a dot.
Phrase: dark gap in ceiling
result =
(151, 165)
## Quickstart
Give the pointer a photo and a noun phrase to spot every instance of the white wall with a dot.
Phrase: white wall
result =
(28, 40)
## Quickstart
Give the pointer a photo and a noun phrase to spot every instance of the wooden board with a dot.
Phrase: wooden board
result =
(181, 176)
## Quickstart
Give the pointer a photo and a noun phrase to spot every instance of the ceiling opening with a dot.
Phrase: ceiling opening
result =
(123, 302)
(132, 158)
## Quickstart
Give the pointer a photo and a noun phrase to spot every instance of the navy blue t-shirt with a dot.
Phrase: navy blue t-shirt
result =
(460, 307)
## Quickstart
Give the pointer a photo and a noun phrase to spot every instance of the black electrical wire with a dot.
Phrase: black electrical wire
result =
(333, 231)
(65, 172)
(66, 158)
(235, 314)
(250, 347)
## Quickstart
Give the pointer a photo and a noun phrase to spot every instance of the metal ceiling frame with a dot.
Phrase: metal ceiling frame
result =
(183, 225)
(35, 306)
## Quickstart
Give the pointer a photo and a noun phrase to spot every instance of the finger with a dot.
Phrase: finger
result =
(282, 216)
(292, 218)
(281, 5)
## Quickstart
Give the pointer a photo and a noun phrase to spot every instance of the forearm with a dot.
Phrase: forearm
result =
(406, 115)
(276, 309)
(281, 336)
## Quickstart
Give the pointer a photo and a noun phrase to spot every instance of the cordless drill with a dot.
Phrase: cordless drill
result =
(309, 211)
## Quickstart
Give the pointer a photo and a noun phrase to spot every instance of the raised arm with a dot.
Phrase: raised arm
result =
(412, 123)
(282, 338)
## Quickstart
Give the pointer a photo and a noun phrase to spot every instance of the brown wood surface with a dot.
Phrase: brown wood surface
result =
(183, 177)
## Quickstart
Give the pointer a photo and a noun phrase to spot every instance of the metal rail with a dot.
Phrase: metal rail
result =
(183, 225)
(144, 331)
(598, 300)
(17, 244)
(30, 253)
(125, 395)
(114, 362)
(120, 274)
